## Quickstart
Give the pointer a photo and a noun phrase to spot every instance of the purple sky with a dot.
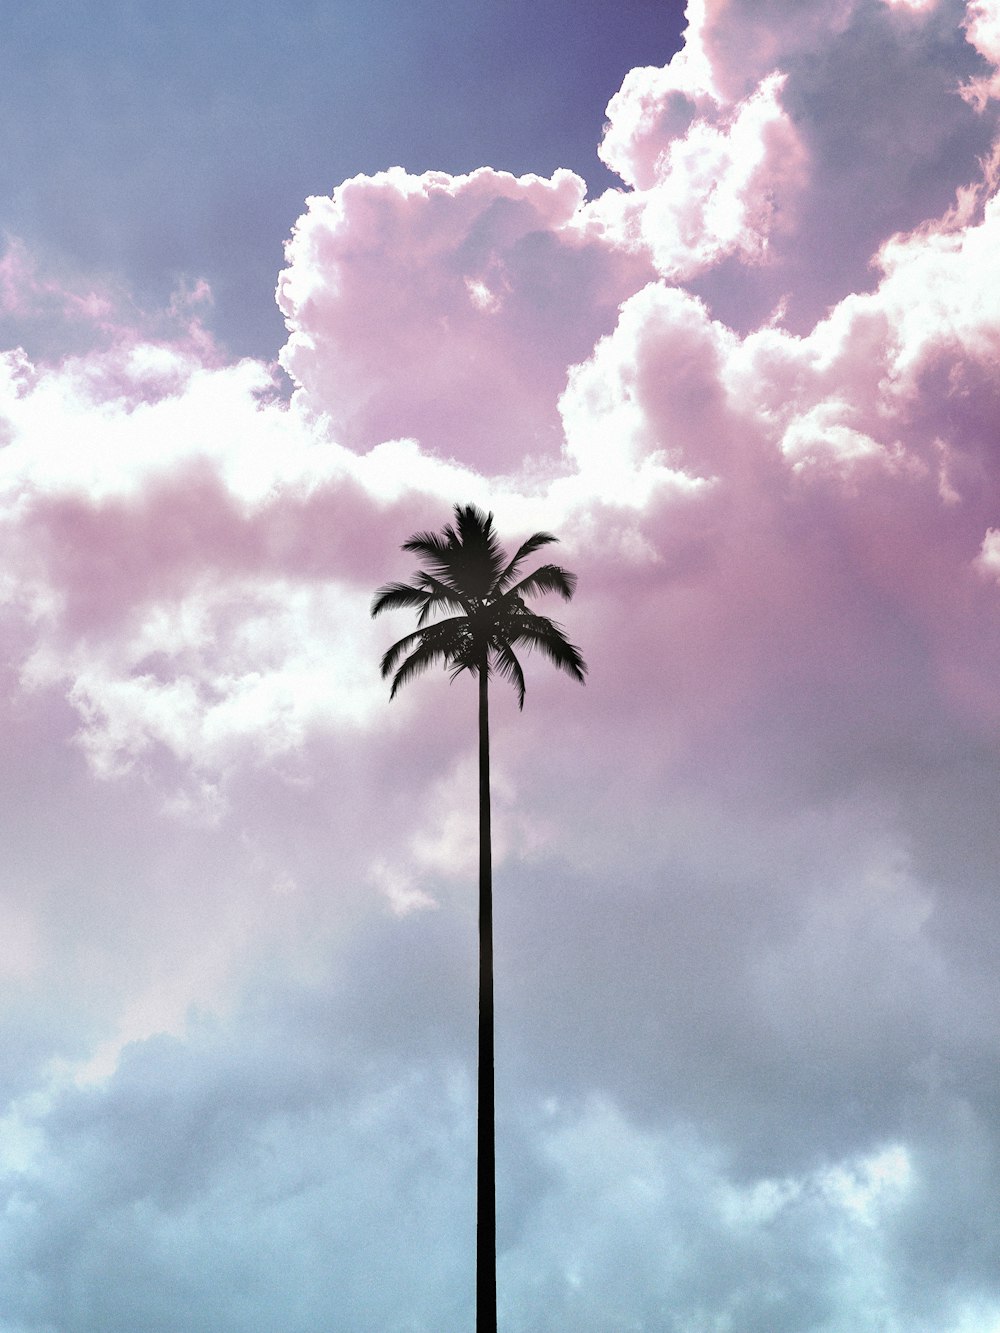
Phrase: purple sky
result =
(744, 364)
(148, 145)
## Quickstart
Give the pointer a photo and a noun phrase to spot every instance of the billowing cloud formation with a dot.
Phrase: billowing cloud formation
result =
(409, 298)
(748, 1029)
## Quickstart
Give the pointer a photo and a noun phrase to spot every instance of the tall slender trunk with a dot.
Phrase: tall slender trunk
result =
(486, 1210)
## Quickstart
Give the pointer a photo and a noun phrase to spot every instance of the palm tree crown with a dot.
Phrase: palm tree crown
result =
(468, 573)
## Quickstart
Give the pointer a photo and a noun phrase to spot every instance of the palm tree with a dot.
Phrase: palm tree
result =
(468, 574)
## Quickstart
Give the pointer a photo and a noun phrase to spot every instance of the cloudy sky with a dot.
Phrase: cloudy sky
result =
(715, 296)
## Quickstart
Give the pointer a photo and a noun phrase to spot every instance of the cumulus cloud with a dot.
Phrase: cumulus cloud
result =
(408, 298)
(747, 1036)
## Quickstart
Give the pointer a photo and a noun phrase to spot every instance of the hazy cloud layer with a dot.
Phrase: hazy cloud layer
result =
(746, 911)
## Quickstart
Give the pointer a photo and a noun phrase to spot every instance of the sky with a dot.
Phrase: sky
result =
(152, 146)
(715, 297)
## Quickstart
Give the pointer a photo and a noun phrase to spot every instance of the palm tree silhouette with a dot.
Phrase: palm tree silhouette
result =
(468, 573)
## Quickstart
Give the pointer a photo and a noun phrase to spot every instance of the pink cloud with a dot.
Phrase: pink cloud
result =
(740, 145)
(408, 298)
(720, 187)
(58, 316)
(710, 461)
(750, 869)
(26, 293)
(982, 29)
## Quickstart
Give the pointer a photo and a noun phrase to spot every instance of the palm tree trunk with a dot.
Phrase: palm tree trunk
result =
(486, 1213)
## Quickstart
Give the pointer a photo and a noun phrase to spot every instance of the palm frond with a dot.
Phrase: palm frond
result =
(509, 667)
(433, 548)
(546, 578)
(392, 655)
(465, 553)
(534, 543)
(464, 664)
(439, 595)
(440, 633)
(475, 528)
(478, 558)
(397, 597)
(548, 637)
(443, 642)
